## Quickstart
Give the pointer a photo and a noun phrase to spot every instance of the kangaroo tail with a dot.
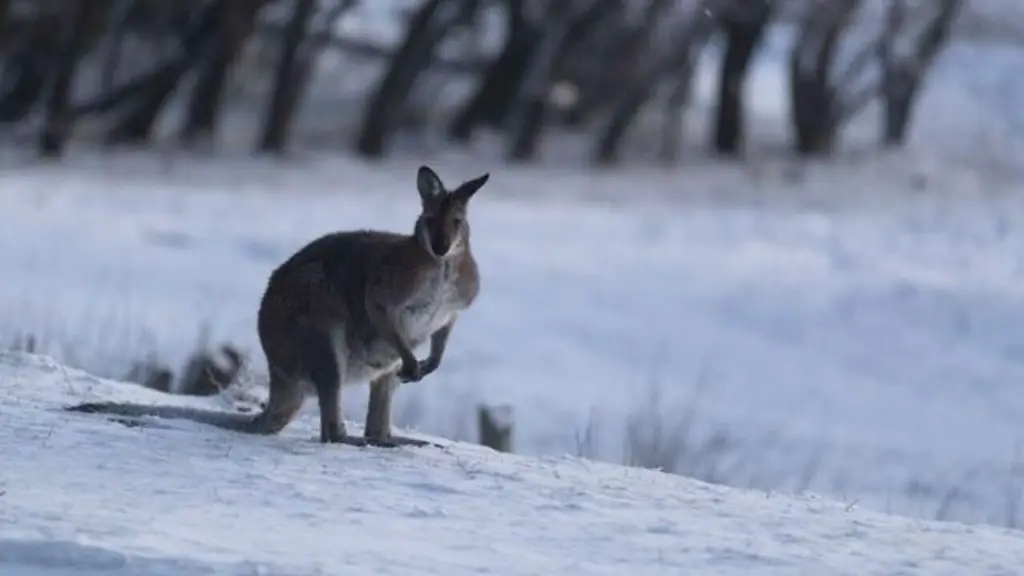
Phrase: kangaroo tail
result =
(225, 420)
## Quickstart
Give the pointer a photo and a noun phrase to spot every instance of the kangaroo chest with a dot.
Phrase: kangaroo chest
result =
(431, 306)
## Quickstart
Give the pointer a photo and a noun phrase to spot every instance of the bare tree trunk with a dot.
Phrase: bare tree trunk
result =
(137, 122)
(27, 65)
(115, 43)
(493, 98)
(527, 115)
(744, 29)
(5, 7)
(815, 100)
(616, 53)
(284, 98)
(237, 20)
(297, 80)
(675, 105)
(57, 122)
(388, 102)
(902, 79)
(567, 25)
(676, 64)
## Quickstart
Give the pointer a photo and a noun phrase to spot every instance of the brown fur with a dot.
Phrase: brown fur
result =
(351, 307)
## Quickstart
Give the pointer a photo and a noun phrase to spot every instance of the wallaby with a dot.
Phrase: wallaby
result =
(350, 307)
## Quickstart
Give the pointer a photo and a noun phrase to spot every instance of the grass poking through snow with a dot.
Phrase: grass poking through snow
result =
(658, 433)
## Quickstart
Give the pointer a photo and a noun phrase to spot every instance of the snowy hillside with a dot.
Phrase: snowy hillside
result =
(839, 334)
(81, 496)
(852, 328)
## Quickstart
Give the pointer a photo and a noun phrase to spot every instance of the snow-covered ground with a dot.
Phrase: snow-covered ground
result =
(83, 496)
(869, 349)
(854, 328)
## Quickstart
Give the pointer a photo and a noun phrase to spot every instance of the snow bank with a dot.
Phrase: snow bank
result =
(83, 495)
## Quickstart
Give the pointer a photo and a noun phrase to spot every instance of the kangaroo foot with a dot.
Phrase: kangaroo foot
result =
(337, 435)
(347, 440)
(392, 441)
(357, 441)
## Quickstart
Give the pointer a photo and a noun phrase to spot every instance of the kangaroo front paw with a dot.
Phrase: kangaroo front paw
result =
(410, 372)
(417, 371)
(428, 367)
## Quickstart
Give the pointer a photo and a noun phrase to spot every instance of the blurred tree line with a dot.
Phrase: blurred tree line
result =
(590, 66)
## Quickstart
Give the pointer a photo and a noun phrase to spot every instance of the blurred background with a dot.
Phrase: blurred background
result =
(767, 243)
(367, 77)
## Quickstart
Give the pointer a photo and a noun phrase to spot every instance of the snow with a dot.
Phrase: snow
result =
(83, 495)
(869, 350)
(850, 328)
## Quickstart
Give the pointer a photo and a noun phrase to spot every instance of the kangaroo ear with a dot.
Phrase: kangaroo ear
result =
(429, 184)
(466, 191)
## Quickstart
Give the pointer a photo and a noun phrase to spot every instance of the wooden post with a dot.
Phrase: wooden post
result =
(495, 427)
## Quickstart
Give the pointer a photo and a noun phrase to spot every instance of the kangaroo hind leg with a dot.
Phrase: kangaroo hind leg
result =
(325, 366)
(285, 401)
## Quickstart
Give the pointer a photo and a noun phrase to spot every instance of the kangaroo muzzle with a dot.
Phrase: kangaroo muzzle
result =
(440, 244)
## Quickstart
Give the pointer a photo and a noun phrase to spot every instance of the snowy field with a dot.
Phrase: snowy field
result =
(854, 329)
(871, 350)
(81, 496)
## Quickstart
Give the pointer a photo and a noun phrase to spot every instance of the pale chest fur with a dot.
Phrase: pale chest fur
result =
(432, 305)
